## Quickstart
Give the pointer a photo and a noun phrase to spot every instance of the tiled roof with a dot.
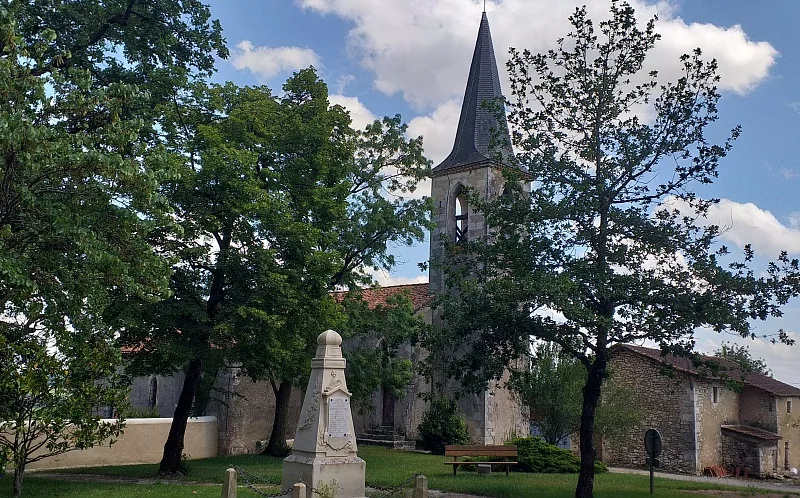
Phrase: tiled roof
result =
(755, 432)
(729, 368)
(477, 122)
(418, 293)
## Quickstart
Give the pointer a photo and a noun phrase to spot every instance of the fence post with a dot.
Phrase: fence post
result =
(299, 490)
(229, 484)
(420, 487)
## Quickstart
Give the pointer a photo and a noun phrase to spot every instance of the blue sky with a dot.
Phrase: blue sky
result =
(383, 57)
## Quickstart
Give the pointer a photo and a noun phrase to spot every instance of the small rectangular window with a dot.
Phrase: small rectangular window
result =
(715, 394)
(788, 406)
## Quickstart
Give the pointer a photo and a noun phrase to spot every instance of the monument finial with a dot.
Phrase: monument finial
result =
(484, 6)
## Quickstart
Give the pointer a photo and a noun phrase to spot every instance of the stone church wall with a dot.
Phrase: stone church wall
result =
(246, 417)
(666, 405)
(243, 418)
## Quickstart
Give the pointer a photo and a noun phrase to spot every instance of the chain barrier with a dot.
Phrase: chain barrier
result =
(385, 492)
(392, 491)
(246, 476)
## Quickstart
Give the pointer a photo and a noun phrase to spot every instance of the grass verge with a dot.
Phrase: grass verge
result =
(385, 468)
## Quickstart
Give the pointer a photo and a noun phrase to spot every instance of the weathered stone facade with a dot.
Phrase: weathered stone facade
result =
(245, 410)
(789, 429)
(666, 404)
(748, 453)
(703, 421)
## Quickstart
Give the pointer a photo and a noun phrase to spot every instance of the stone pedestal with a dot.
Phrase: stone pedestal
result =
(324, 454)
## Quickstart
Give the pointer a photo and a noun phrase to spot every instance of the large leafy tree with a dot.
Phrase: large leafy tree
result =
(610, 247)
(78, 198)
(280, 202)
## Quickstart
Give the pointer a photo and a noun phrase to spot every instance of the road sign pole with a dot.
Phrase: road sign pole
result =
(652, 445)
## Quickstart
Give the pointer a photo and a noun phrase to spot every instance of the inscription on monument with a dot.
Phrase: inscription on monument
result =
(338, 411)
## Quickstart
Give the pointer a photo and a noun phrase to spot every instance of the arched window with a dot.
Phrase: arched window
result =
(153, 397)
(461, 217)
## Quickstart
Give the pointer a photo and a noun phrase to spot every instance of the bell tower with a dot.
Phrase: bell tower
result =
(480, 153)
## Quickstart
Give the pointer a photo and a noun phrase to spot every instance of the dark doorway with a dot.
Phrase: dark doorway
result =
(388, 408)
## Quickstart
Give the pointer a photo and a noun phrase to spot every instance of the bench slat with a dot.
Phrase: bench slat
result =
(493, 450)
(481, 463)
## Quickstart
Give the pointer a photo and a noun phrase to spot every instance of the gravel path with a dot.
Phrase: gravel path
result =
(789, 485)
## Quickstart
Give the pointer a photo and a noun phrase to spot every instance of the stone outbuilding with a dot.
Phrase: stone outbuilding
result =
(728, 418)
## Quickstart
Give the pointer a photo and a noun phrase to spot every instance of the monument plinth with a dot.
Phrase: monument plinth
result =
(324, 454)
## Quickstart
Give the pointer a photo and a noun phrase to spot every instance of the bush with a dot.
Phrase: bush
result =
(535, 455)
(441, 425)
(132, 412)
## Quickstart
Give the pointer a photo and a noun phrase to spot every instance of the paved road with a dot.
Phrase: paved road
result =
(791, 485)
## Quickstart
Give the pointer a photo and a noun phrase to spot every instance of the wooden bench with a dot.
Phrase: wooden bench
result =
(500, 450)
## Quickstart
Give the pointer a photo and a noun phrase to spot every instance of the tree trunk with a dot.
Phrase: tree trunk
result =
(173, 448)
(591, 397)
(19, 472)
(277, 440)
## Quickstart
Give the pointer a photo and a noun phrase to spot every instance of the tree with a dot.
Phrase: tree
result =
(378, 332)
(79, 197)
(609, 248)
(552, 391)
(741, 355)
(279, 203)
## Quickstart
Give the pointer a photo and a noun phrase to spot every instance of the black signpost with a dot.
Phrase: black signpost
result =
(652, 445)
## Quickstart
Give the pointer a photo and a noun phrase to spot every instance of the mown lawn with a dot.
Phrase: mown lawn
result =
(385, 468)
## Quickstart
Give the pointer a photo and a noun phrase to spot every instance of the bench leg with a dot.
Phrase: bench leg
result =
(507, 466)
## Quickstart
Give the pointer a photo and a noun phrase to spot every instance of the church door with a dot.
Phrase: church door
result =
(388, 408)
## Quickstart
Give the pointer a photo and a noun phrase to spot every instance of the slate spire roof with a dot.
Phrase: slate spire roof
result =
(478, 123)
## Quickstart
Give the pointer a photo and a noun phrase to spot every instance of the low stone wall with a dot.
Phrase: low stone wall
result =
(142, 442)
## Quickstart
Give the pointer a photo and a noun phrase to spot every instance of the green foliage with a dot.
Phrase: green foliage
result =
(536, 455)
(278, 202)
(741, 356)
(378, 332)
(610, 247)
(132, 412)
(80, 197)
(552, 391)
(441, 424)
(81, 167)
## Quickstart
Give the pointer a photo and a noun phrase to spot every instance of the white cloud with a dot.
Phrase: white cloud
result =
(780, 358)
(743, 63)
(359, 114)
(794, 219)
(746, 223)
(422, 48)
(268, 62)
(437, 130)
(789, 173)
(385, 279)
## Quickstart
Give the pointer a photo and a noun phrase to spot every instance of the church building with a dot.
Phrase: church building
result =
(481, 151)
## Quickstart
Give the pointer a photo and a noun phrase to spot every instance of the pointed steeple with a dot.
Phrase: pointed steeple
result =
(478, 123)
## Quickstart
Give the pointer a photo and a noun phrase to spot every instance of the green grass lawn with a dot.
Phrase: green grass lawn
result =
(385, 468)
